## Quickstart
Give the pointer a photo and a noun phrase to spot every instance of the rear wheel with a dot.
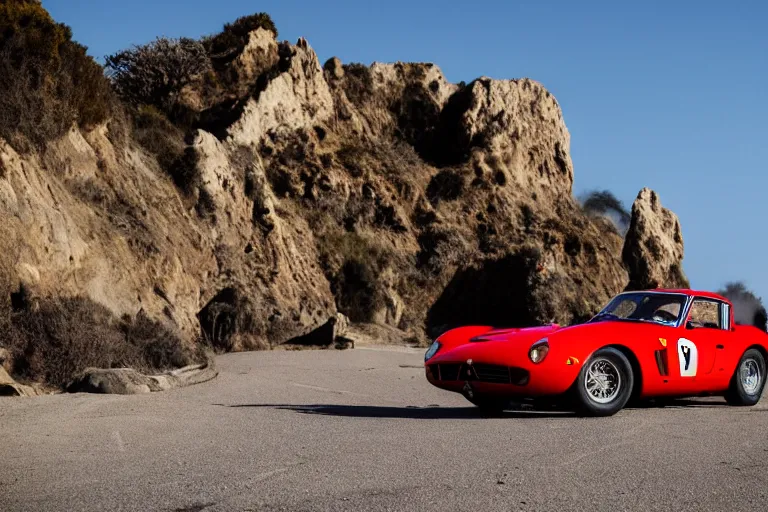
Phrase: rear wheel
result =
(604, 384)
(748, 380)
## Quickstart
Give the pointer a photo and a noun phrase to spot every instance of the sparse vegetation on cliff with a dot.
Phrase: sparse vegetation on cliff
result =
(54, 339)
(297, 195)
(48, 82)
(233, 38)
(156, 73)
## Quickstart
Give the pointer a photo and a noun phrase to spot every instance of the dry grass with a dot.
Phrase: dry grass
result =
(353, 265)
(358, 83)
(52, 340)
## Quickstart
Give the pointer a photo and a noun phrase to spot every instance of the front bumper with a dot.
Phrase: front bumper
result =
(511, 375)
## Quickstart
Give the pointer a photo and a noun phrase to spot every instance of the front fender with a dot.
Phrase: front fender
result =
(461, 335)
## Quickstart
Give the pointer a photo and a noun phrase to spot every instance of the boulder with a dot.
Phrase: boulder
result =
(127, 381)
(334, 68)
(9, 387)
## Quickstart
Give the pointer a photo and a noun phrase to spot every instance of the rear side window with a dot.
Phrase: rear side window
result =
(710, 313)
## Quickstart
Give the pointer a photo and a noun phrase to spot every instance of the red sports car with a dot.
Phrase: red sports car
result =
(645, 344)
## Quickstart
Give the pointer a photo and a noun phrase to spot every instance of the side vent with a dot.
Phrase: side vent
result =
(662, 362)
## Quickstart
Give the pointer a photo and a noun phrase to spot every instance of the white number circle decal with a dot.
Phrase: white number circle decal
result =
(688, 355)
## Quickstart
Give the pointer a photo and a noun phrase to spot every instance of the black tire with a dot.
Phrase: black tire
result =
(489, 405)
(739, 393)
(615, 363)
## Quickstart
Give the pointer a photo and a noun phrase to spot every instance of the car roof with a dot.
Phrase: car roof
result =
(688, 291)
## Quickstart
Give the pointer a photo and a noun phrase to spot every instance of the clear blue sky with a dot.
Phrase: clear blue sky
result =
(673, 97)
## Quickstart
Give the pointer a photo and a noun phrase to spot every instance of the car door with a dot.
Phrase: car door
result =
(703, 340)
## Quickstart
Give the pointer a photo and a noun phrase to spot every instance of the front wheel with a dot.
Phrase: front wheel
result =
(604, 384)
(748, 380)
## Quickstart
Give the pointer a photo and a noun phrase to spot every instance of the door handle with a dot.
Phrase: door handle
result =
(720, 347)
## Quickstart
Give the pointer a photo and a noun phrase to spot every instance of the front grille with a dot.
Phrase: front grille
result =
(491, 373)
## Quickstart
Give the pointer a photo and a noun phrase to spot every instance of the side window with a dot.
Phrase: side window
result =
(708, 313)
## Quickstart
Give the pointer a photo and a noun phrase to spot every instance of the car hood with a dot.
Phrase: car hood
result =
(521, 334)
(596, 331)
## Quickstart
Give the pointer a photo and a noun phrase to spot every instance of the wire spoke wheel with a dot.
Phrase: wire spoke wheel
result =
(604, 384)
(751, 377)
(748, 381)
(602, 381)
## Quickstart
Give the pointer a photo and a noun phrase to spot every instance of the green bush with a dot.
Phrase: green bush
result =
(48, 81)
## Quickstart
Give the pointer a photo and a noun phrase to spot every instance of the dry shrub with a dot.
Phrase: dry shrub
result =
(156, 134)
(353, 265)
(55, 339)
(228, 44)
(155, 73)
(48, 82)
(166, 142)
(441, 250)
(358, 83)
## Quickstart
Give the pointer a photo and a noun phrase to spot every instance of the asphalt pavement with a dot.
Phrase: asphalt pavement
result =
(362, 430)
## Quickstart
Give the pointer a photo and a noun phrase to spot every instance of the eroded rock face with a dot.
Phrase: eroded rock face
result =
(653, 249)
(512, 129)
(381, 194)
(258, 56)
(297, 98)
(81, 223)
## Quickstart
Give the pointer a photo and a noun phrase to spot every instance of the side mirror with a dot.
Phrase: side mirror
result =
(689, 325)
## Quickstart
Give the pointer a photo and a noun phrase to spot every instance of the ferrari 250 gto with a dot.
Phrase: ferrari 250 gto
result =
(642, 345)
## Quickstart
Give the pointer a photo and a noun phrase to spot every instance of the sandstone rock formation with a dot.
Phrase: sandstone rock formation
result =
(9, 387)
(323, 195)
(653, 248)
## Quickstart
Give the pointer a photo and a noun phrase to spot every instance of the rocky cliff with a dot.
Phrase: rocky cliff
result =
(320, 195)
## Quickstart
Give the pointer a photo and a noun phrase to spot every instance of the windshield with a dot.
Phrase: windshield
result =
(661, 308)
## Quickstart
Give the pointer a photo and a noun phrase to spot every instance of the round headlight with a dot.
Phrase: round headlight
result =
(539, 351)
(432, 350)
